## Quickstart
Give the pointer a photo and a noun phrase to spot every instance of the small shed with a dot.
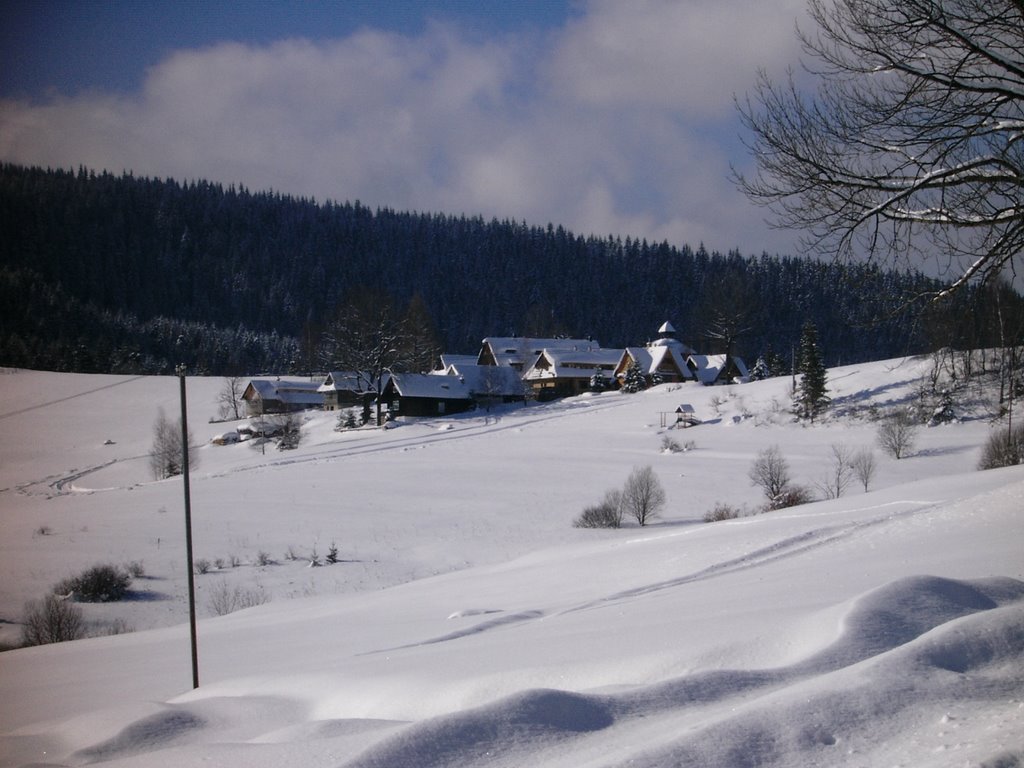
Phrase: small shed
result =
(686, 416)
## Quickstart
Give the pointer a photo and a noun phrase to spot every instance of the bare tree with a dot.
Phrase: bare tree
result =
(864, 467)
(165, 458)
(230, 397)
(770, 472)
(370, 339)
(897, 433)
(840, 473)
(912, 143)
(51, 620)
(643, 495)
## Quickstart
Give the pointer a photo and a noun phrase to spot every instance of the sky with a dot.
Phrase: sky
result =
(604, 116)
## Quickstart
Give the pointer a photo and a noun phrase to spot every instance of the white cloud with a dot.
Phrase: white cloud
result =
(620, 122)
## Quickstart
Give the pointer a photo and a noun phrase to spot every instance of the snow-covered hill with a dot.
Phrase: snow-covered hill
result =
(470, 624)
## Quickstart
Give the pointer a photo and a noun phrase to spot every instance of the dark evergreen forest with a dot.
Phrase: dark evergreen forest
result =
(104, 273)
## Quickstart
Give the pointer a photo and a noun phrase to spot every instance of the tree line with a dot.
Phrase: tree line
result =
(105, 273)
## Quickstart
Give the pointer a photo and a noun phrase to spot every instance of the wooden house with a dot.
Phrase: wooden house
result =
(568, 372)
(345, 389)
(425, 394)
(281, 396)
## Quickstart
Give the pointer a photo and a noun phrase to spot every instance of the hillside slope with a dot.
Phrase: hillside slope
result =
(470, 624)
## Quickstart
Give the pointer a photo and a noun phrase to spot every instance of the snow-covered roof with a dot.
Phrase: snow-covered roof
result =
(287, 391)
(344, 381)
(571, 363)
(652, 359)
(427, 385)
(667, 327)
(708, 368)
(518, 350)
(488, 379)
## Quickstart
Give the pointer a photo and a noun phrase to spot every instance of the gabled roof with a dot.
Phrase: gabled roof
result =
(519, 350)
(344, 381)
(499, 381)
(708, 368)
(653, 359)
(572, 364)
(429, 386)
(291, 392)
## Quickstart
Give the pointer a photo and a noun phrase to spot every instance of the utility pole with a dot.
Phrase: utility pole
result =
(188, 532)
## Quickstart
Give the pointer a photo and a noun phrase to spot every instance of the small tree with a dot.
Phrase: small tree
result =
(51, 620)
(165, 458)
(230, 397)
(840, 473)
(643, 495)
(770, 472)
(811, 397)
(633, 381)
(864, 467)
(598, 382)
(289, 427)
(897, 433)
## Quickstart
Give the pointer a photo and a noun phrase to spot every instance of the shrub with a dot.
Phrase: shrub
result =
(202, 565)
(791, 496)
(264, 558)
(669, 445)
(1004, 448)
(721, 512)
(225, 599)
(51, 620)
(332, 554)
(135, 569)
(607, 514)
(99, 584)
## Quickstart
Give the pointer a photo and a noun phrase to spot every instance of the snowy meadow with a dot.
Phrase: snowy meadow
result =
(467, 622)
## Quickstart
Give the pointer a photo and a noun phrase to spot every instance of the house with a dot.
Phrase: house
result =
(663, 359)
(344, 389)
(519, 352)
(425, 394)
(489, 384)
(567, 372)
(281, 396)
(718, 369)
(657, 363)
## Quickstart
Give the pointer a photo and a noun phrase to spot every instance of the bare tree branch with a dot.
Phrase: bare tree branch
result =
(911, 146)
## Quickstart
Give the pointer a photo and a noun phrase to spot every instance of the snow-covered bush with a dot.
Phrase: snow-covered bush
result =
(99, 584)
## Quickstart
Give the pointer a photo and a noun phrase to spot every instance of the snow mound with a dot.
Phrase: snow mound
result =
(491, 734)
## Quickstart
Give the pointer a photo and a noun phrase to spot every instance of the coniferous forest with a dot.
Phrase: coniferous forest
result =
(104, 273)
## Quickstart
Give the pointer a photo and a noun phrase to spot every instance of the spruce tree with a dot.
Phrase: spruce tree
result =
(634, 379)
(811, 397)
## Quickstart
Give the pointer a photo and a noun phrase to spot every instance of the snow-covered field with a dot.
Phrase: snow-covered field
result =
(469, 624)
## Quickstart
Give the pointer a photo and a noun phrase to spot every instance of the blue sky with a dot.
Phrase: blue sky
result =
(606, 116)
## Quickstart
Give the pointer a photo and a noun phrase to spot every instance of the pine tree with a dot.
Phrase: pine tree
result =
(760, 371)
(811, 397)
(634, 380)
